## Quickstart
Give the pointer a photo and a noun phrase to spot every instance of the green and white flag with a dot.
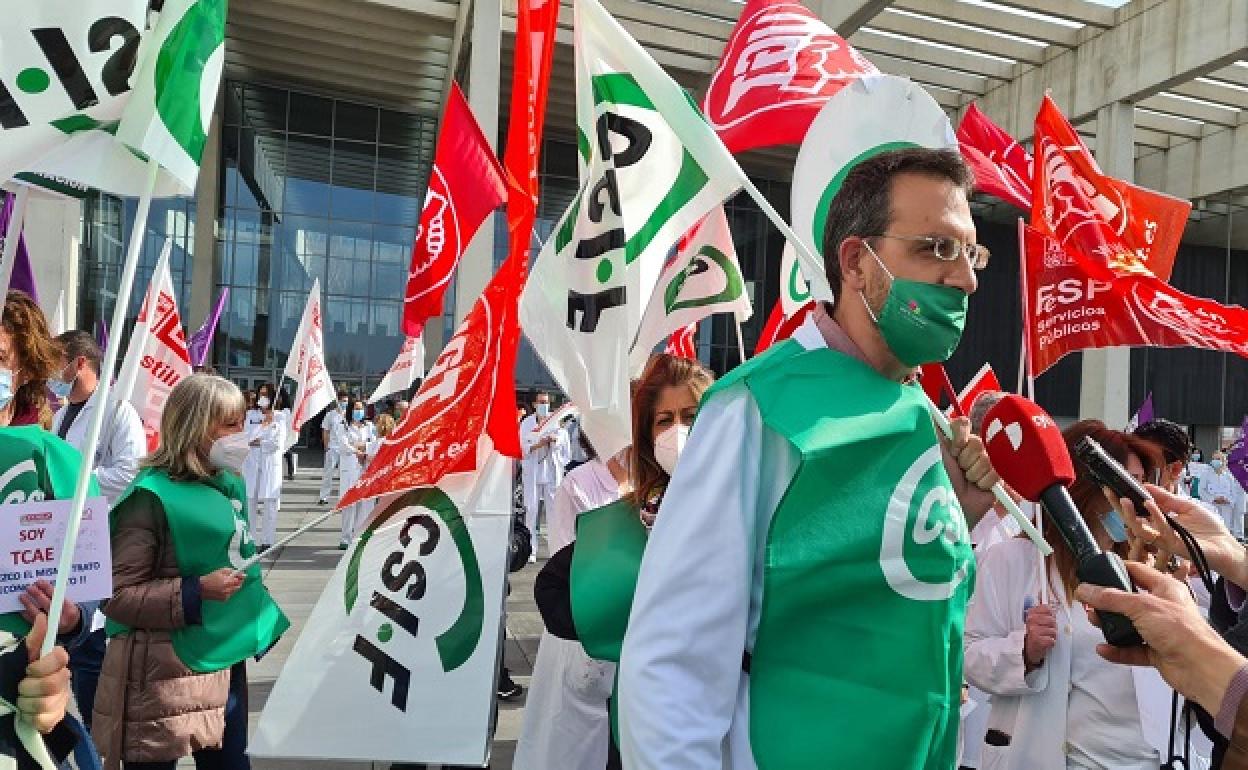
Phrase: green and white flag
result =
(653, 169)
(794, 290)
(72, 77)
(704, 278)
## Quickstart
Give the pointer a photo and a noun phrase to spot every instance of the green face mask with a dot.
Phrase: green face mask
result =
(921, 322)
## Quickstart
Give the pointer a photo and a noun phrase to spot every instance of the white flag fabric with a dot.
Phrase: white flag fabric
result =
(407, 368)
(794, 290)
(703, 279)
(405, 637)
(74, 90)
(56, 318)
(654, 169)
(306, 366)
(156, 359)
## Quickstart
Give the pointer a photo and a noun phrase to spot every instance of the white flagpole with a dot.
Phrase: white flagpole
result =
(816, 277)
(12, 236)
(128, 269)
(740, 337)
(1024, 368)
(130, 366)
(272, 550)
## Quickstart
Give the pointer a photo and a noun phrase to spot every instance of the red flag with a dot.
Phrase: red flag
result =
(465, 185)
(938, 387)
(1002, 166)
(984, 381)
(1077, 303)
(459, 401)
(780, 65)
(1130, 229)
(683, 343)
(780, 327)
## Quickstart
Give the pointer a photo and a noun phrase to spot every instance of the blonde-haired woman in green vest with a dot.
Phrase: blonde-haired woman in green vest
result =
(586, 589)
(183, 619)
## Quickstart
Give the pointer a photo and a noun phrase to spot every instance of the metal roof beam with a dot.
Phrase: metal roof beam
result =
(1163, 46)
(848, 16)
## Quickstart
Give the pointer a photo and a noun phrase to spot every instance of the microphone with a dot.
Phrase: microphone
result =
(1028, 451)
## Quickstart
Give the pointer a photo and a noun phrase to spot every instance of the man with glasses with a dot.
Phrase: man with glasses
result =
(801, 598)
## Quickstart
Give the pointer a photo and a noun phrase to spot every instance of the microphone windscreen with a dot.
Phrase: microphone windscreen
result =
(1026, 447)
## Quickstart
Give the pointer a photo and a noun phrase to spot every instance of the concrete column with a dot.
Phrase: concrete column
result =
(207, 199)
(1105, 389)
(477, 265)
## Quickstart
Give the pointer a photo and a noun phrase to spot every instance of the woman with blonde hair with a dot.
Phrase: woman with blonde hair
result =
(566, 717)
(183, 617)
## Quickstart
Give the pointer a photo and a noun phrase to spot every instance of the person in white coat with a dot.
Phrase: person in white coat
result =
(1056, 704)
(546, 452)
(262, 472)
(353, 454)
(1221, 490)
(332, 426)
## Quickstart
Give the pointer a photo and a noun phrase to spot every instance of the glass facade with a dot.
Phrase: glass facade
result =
(315, 188)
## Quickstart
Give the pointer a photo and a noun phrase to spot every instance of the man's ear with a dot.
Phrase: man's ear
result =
(852, 252)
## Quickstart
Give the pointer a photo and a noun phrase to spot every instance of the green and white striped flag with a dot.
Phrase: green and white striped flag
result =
(653, 169)
(704, 278)
(78, 75)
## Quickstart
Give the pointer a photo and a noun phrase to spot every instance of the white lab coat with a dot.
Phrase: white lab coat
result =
(334, 424)
(1032, 708)
(1214, 485)
(541, 472)
(262, 470)
(565, 714)
(357, 437)
(122, 443)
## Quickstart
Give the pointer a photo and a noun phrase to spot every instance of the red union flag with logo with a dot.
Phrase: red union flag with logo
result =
(1132, 230)
(1077, 303)
(157, 358)
(306, 366)
(1002, 166)
(465, 185)
(780, 65)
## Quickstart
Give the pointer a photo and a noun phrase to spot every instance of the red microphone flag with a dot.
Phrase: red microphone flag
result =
(1026, 447)
(779, 67)
(1132, 230)
(1076, 303)
(465, 185)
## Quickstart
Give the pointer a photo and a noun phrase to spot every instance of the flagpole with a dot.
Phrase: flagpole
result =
(998, 489)
(816, 275)
(740, 337)
(13, 235)
(138, 338)
(128, 269)
(1028, 356)
(272, 550)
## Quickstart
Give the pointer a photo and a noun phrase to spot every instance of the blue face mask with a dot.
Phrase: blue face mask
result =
(1114, 526)
(358, 415)
(1215, 464)
(7, 391)
(60, 388)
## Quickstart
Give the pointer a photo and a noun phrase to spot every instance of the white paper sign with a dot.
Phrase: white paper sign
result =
(32, 534)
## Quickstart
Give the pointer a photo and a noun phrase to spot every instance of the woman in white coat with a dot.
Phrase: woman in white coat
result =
(1056, 704)
(353, 456)
(262, 472)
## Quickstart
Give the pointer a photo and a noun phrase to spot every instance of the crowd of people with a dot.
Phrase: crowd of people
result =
(788, 567)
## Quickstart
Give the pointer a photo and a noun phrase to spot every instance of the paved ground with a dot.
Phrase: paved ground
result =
(296, 576)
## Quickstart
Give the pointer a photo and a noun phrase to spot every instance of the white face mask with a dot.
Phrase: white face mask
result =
(228, 453)
(263, 402)
(668, 445)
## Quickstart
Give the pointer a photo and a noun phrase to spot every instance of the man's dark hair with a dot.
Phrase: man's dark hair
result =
(1175, 444)
(80, 344)
(863, 205)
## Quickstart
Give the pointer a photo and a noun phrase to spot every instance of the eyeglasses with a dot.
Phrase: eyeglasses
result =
(947, 249)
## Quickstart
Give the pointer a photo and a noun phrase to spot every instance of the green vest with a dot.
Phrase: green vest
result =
(36, 465)
(605, 564)
(868, 569)
(208, 529)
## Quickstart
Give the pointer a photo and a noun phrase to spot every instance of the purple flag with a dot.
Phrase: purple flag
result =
(101, 334)
(23, 278)
(201, 340)
(1142, 415)
(1237, 459)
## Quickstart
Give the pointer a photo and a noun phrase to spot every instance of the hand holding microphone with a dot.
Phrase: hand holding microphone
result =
(1029, 452)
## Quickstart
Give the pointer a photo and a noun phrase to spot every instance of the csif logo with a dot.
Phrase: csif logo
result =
(403, 563)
